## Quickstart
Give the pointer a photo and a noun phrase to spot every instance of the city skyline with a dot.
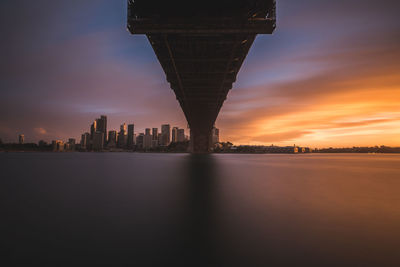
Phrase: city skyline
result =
(99, 137)
(90, 132)
(328, 76)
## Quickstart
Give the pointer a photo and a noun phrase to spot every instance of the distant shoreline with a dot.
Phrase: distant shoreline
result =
(182, 152)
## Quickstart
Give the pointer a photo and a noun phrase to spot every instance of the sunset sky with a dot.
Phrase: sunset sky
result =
(328, 76)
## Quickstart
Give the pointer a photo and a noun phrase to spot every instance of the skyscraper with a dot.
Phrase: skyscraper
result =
(102, 127)
(85, 140)
(181, 135)
(165, 134)
(122, 136)
(139, 141)
(112, 139)
(58, 145)
(174, 134)
(131, 136)
(147, 139)
(154, 140)
(21, 139)
(93, 129)
(98, 141)
(72, 143)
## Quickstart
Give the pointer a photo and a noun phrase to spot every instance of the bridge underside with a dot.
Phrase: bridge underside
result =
(201, 51)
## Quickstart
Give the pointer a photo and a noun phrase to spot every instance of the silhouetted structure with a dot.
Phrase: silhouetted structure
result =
(122, 136)
(131, 136)
(201, 46)
(85, 140)
(58, 145)
(147, 139)
(101, 126)
(71, 144)
(181, 135)
(165, 134)
(112, 139)
(139, 141)
(175, 134)
(154, 139)
(98, 141)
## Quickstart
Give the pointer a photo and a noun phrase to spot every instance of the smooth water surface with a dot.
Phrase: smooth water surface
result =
(216, 210)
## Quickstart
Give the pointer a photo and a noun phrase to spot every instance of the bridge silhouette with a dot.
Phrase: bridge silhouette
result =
(201, 46)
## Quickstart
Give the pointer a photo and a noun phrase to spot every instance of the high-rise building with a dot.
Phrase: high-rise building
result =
(58, 145)
(140, 140)
(154, 139)
(147, 139)
(101, 126)
(122, 136)
(21, 139)
(88, 141)
(112, 139)
(98, 141)
(181, 135)
(215, 135)
(159, 142)
(71, 144)
(131, 136)
(85, 141)
(165, 134)
(155, 133)
(174, 134)
(93, 129)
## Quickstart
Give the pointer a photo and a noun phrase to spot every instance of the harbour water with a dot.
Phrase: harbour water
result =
(145, 209)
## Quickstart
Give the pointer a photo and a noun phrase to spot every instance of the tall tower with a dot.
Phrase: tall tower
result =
(93, 129)
(101, 126)
(147, 139)
(154, 142)
(175, 134)
(131, 136)
(165, 134)
(112, 139)
(201, 46)
(122, 136)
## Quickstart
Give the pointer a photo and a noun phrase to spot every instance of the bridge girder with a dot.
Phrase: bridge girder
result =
(201, 49)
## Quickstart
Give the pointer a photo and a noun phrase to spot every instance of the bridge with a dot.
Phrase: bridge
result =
(201, 46)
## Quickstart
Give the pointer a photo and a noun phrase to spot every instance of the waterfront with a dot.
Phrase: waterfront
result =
(220, 209)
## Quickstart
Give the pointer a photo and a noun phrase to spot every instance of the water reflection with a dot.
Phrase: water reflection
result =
(199, 203)
(201, 210)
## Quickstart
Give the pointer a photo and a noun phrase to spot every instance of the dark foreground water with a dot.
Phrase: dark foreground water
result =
(218, 210)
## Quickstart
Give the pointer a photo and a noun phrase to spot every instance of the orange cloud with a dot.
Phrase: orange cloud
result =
(353, 101)
(40, 130)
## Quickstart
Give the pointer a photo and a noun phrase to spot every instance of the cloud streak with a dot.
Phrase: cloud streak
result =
(359, 82)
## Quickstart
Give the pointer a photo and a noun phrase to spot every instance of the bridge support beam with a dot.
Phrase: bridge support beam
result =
(201, 46)
(200, 141)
